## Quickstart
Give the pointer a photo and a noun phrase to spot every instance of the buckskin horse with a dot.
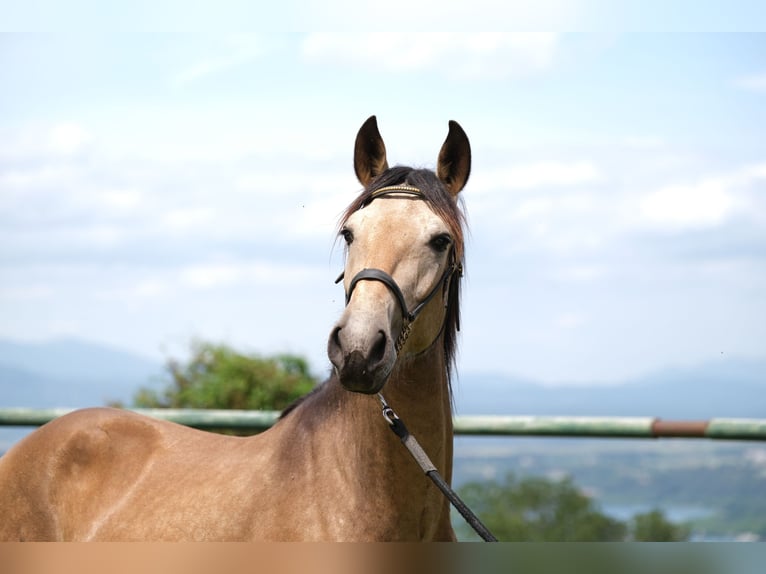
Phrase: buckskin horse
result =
(329, 469)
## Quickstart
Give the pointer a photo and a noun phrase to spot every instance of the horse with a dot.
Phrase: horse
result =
(329, 469)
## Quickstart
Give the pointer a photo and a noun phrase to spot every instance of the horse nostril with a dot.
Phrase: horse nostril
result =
(336, 337)
(378, 351)
(335, 348)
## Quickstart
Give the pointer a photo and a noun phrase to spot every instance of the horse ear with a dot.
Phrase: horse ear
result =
(454, 165)
(369, 152)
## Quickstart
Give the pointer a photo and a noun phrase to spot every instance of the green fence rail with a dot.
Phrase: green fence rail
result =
(484, 425)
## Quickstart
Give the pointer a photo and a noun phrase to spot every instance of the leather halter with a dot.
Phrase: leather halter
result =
(379, 275)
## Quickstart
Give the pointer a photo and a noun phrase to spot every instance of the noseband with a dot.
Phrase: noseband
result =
(378, 275)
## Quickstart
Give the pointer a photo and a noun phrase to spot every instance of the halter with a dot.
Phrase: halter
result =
(379, 275)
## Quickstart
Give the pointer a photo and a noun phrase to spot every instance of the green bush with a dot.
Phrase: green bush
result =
(218, 377)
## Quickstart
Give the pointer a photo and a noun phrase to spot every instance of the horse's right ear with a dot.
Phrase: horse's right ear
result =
(369, 152)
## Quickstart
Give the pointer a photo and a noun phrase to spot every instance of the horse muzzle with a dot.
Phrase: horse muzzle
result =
(363, 356)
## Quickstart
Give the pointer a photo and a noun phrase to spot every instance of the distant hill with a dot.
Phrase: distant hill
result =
(731, 387)
(70, 373)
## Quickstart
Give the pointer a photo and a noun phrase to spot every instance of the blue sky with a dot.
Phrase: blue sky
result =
(157, 187)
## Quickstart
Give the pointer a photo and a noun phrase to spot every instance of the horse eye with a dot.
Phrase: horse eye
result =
(441, 242)
(348, 235)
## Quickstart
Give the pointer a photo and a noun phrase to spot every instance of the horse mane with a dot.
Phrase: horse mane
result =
(300, 400)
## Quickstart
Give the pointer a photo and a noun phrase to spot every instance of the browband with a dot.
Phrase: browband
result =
(403, 189)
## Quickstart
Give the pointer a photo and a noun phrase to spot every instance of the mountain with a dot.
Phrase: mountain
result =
(733, 387)
(69, 373)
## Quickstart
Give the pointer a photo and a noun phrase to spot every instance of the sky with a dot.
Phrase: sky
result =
(156, 188)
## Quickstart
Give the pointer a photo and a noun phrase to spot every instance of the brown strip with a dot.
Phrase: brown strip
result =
(661, 428)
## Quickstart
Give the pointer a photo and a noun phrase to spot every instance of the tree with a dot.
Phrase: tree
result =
(539, 510)
(217, 377)
(536, 509)
(653, 526)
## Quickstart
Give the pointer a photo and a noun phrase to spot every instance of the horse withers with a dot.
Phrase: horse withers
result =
(329, 469)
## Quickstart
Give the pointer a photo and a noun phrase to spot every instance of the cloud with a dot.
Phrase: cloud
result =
(26, 293)
(248, 273)
(60, 140)
(708, 202)
(233, 52)
(570, 320)
(114, 203)
(644, 142)
(138, 290)
(188, 218)
(753, 83)
(548, 205)
(581, 273)
(121, 201)
(67, 138)
(577, 209)
(538, 174)
(465, 55)
(449, 15)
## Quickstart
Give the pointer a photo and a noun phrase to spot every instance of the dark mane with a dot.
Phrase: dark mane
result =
(299, 401)
(450, 211)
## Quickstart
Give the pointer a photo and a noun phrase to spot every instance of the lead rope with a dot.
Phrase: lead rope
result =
(420, 456)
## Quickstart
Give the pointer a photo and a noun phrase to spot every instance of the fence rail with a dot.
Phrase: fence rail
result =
(483, 425)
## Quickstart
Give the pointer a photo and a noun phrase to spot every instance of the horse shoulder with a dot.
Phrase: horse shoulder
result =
(71, 469)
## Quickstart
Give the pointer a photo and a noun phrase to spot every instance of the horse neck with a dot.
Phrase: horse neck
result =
(418, 391)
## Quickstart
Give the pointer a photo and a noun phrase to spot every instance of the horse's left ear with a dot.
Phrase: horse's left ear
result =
(454, 165)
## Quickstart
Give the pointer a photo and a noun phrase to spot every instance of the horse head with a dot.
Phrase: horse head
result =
(404, 240)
